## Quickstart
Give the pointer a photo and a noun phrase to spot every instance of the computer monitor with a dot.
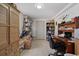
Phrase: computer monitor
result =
(68, 35)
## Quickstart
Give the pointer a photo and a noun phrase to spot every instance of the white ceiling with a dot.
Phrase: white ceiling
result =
(47, 12)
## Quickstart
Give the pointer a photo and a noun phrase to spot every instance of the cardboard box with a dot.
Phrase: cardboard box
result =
(27, 44)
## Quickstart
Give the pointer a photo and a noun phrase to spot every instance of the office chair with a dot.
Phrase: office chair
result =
(60, 47)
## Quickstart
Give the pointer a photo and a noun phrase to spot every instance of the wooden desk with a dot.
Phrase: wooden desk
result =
(70, 45)
(77, 47)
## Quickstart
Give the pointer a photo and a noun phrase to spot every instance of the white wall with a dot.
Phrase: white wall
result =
(71, 12)
(74, 11)
(20, 23)
(39, 28)
(56, 28)
(34, 29)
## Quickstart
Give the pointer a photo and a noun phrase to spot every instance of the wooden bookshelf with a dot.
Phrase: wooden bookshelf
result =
(66, 30)
(50, 28)
(73, 25)
(67, 25)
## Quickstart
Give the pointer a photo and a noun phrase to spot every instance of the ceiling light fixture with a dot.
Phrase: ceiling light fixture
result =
(38, 5)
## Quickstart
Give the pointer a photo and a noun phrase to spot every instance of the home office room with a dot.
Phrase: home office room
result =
(39, 29)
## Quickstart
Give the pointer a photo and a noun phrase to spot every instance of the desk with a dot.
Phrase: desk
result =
(77, 47)
(70, 44)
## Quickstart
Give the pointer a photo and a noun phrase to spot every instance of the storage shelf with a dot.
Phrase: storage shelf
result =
(73, 25)
(67, 25)
(67, 30)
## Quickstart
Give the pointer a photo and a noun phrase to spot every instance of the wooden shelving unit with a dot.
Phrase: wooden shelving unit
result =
(9, 30)
(26, 35)
(66, 30)
(65, 27)
(73, 25)
(50, 29)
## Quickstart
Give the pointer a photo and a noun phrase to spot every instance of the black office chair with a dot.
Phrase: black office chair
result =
(59, 47)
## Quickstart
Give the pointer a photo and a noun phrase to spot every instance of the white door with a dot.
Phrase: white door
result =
(40, 30)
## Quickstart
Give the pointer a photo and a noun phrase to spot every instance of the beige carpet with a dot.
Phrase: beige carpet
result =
(39, 48)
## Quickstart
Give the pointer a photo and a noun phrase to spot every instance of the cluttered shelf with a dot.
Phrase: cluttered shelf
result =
(72, 24)
(50, 29)
(66, 30)
(67, 27)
